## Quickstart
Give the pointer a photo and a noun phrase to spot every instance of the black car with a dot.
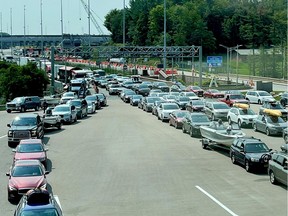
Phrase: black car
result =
(39, 202)
(250, 152)
(192, 121)
(25, 126)
(142, 89)
(24, 103)
(162, 86)
(148, 102)
(284, 99)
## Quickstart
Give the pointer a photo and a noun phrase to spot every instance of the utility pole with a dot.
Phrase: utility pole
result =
(1, 33)
(24, 45)
(124, 24)
(41, 25)
(89, 30)
(165, 54)
(11, 30)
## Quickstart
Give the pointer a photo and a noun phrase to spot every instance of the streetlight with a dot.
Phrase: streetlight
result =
(237, 60)
(229, 56)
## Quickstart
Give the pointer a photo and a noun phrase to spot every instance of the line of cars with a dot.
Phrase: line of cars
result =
(233, 107)
(27, 183)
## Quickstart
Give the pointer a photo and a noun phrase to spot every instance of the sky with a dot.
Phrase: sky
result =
(75, 18)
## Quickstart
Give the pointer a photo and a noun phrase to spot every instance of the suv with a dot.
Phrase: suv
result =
(38, 202)
(250, 152)
(25, 126)
(277, 168)
(259, 97)
(23, 103)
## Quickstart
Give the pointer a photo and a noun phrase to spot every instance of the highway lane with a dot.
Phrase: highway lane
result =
(123, 161)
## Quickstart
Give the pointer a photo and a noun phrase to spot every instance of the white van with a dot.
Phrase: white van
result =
(259, 97)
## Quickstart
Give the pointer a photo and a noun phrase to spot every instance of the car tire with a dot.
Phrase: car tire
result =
(170, 123)
(239, 123)
(36, 108)
(272, 177)
(233, 159)
(259, 102)
(204, 144)
(59, 125)
(268, 133)
(255, 127)
(286, 139)
(183, 129)
(191, 132)
(247, 166)
(8, 111)
(229, 121)
(162, 118)
(75, 120)
(22, 109)
(213, 117)
(176, 125)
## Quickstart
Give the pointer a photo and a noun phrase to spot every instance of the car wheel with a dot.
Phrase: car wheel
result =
(286, 138)
(158, 117)
(170, 123)
(176, 125)
(268, 132)
(204, 144)
(8, 111)
(229, 121)
(239, 123)
(75, 120)
(254, 127)
(22, 109)
(183, 129)
(213, 117)
(36, 108)
(259, 102)
(191, 132)
(59, 125)
(247, 166)
(272, 177)
(162, 118)
(233, 159)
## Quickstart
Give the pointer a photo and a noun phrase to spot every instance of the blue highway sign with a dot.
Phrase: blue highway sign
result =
(214, 61)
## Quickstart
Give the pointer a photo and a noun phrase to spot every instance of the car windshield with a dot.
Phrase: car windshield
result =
(276, 106)
(256, 148)
(30, 148)
(68, 94)
(264, 94)
(198, 102)
(237, 96)
(18, 100)
(26, 171)
(246, 112)
(40, 212)
(214, 91)
(170, 96)
(162, 84)
(74, 103)
(180, 114)
(20, 121)
(274, 119)
(200, 118)
(61, 109)
(195, 88)
(221, 106)
(152, 100)
(170, 106)
(100, 96)
(143, 86)
(183, 99)
(91, 98)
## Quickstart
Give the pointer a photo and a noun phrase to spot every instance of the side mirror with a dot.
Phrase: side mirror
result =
(13, 150)
(47, 172)
(8, 125)
(7, 174)
(46, 149)
(73, 107)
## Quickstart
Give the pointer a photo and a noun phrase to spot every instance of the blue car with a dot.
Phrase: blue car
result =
(39, 202)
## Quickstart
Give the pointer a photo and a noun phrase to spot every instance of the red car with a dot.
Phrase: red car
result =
(31, 149)
(25, 175)
(196, 89)
(213, 93)
(230, 99)
(176, 118)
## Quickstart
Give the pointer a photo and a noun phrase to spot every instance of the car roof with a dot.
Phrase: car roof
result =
(25, 115)
(250, 139)
(30, 141)
(27, 162)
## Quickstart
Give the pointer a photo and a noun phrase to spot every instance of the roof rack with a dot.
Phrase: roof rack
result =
(284, 148)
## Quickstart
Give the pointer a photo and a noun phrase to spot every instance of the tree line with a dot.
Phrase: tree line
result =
(255, 24)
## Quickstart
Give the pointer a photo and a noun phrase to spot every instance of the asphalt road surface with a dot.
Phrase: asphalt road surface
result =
(123, 161)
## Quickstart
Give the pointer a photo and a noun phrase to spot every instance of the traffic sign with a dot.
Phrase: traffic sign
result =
(214, 61)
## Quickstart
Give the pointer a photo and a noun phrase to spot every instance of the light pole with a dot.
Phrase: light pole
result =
(124, 23)
(165, 54)
(24, 31)
(11, 29)
(227, 64)
(237, 61)
(1, 33)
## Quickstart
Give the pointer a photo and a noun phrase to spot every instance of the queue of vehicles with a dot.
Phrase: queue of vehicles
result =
(233, 108)
(27, 182)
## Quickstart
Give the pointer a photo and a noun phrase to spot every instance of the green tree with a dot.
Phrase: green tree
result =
(22, 80)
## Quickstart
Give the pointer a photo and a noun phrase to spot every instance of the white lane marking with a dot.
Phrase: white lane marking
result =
(3, 136)
(215, 200)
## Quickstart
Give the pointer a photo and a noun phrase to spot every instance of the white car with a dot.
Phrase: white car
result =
(169, 98)
(164, 110)
(68, 96)
(259, 97)
(91, 107)
(241, 116)
(191, 95)
(67, 113)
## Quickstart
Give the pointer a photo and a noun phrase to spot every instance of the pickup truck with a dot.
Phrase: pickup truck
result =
(230, 99)
(51, 120)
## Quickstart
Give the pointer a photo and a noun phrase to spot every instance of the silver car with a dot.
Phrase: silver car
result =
(216, 110)
(67, 113)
